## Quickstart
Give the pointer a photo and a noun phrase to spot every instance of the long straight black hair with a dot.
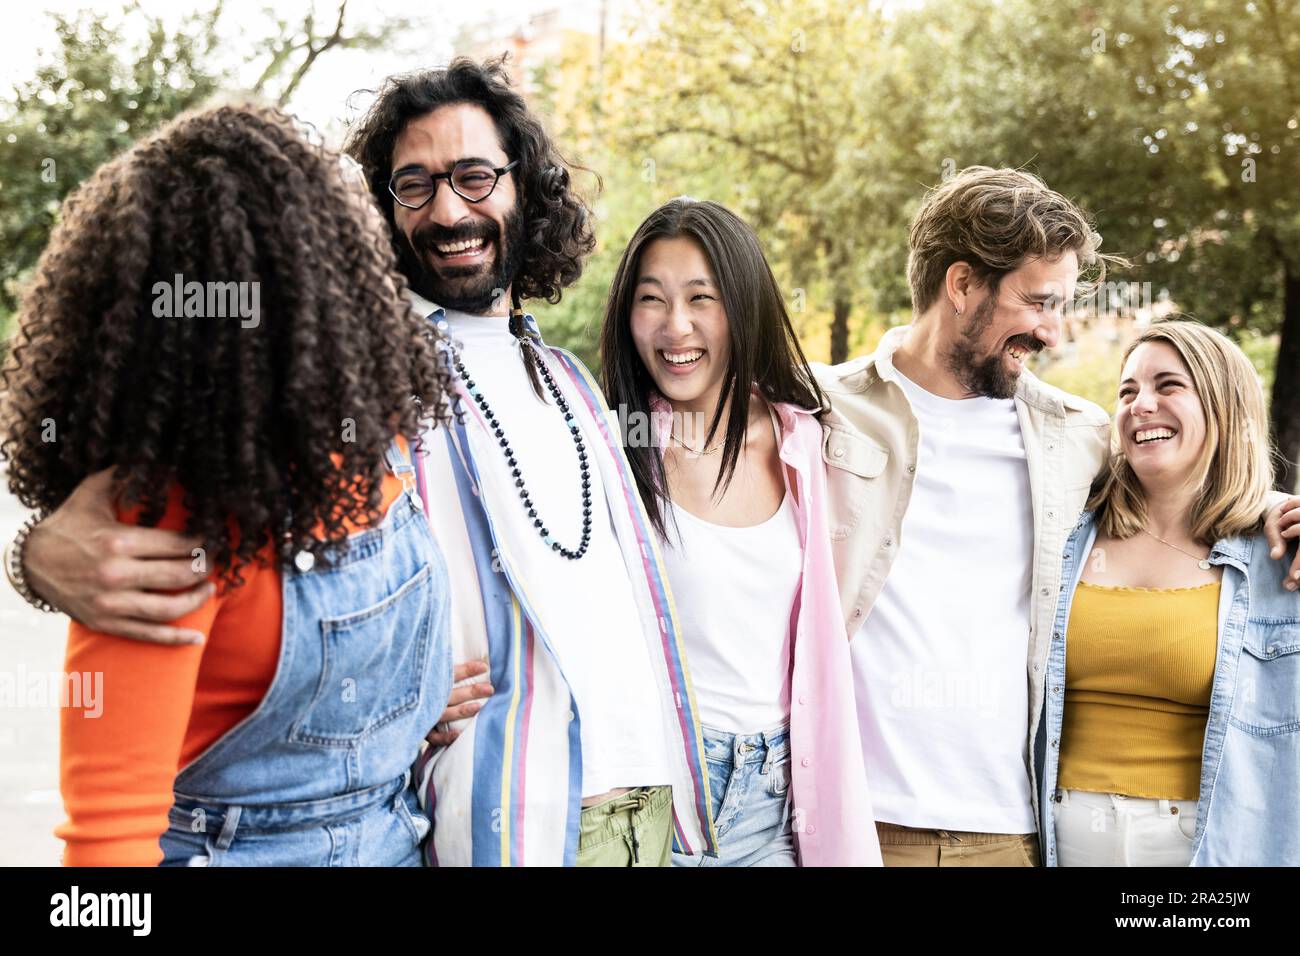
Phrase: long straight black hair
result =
(765, 352)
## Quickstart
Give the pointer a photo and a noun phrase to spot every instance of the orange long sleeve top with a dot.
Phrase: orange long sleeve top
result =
(160, 708)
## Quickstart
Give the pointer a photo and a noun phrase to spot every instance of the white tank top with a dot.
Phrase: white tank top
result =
(735, 591)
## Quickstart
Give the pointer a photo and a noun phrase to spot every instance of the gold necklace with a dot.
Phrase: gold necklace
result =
(707, 451)
(1202, 563)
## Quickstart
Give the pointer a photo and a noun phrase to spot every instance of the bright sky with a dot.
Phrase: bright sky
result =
(321, 98)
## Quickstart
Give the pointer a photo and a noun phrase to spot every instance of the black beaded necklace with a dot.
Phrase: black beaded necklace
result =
(584, 468)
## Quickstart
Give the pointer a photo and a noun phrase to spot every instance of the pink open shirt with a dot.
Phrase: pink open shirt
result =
(831, 816)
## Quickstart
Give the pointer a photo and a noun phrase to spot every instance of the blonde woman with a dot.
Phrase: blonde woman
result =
(1172, 719)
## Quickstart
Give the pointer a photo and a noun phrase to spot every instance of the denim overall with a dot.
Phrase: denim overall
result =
(319, 774)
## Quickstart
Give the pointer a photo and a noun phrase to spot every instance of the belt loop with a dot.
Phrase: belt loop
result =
(228, 827)
(767, 759)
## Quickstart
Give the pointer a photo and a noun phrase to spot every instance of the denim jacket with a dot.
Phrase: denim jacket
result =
(1248, 813)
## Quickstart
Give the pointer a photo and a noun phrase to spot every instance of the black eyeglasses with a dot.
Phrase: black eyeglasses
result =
(471, 181)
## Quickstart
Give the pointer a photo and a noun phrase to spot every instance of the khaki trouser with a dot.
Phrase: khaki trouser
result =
(907, 846)
(633, 829)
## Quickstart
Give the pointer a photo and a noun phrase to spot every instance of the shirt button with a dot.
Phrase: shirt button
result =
(889, 542)
(1051, 514)
(1045, 591)
(1035, 668)
(838, 453)
(1056, 635)
(1056, 690)
(810, 829)
(857, 612)
(911, 469)
(304, 561)
(1054, 743)
(805, 762)
(803, 699)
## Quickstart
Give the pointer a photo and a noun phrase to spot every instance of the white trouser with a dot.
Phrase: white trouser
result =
(1109, 829)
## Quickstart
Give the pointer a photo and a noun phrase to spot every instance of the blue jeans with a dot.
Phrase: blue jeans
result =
(749, 784)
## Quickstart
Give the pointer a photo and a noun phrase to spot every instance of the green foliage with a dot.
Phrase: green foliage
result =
(1176, 125)
(94, 96)
(95, 93)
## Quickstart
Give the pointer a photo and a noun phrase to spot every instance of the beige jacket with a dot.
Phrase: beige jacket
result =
(870, 439)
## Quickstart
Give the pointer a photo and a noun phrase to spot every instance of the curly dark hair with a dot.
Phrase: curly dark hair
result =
(557, 226)
(275, 430)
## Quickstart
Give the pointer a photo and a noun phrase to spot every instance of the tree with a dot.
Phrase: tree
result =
(98, 93)
(298, 44)
(1175, 124)
(89, 102)
(769, 96)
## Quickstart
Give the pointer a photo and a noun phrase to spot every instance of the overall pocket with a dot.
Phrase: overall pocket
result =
(372, 666)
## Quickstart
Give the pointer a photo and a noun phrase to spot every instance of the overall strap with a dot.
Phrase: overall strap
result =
(399, 463)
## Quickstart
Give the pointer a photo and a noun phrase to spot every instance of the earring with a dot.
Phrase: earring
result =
(956, 311)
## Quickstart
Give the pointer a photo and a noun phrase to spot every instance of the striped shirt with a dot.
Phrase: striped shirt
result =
(508, 790)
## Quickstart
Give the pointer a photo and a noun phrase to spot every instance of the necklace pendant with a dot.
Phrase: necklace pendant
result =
(1204, 565)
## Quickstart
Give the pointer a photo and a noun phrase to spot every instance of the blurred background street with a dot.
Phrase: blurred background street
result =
(31, 646)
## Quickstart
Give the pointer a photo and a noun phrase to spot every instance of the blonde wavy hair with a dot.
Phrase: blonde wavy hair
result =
(1235, 468)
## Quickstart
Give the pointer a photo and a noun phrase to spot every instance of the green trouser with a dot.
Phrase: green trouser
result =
(635, 829)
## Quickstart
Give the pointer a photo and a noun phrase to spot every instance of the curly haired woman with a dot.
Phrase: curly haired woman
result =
(279, 437)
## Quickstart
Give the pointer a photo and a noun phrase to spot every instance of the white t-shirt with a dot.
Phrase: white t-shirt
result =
(734, 590)
(586, 607)
(939, 664)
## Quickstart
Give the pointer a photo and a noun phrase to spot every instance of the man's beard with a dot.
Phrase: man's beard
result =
(477, 296)
(986, 375)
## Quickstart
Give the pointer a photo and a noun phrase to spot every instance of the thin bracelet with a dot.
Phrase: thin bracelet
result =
(15, 552)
